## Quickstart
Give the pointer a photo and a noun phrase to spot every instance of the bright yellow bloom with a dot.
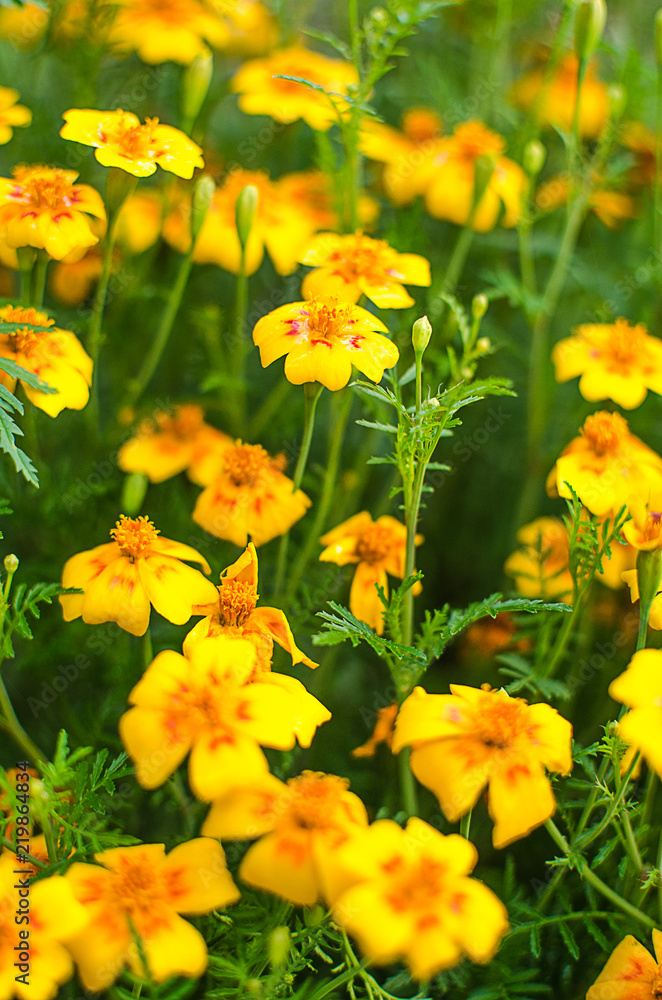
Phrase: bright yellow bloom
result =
(408, 155)
(11, 113)
(43, 208)
(139, 221)
(252, 30)
(540, 566)
(168, 443)
(71, 281)
(471, 738)
(212, 706)
(378, 548)
(605, 465)
(140, 889)
(644, 529)
(552, 97)
(450, 191)
(640, 688)
(356, 265)
(235, 614)
(121, 141)
(615, 361)
(55, 356)
(631, 972)
(611, 207)
(249, 496)
(23, 26)
(322, 339)
(122, 578)
(415, 901)
(262, 92)
(162, 30)
(302, 825)
(55, 918)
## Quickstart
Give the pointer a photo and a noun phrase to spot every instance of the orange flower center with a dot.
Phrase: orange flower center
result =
(24, 341)
(134, 535)
(656, 985)
(421, 124)
(627, 343)
(472, 140)
(329, 319)
(653, 525)
(171, 12)
(604, 432)
(360, 256)
(136, 890)
(245, 463)
(416, 886)
(135, 141)
(374, 544)
(44, 188)
(499, 720)
(216, 705)
(17, 314)
(237, 602)
(316, 800)
(184, 424)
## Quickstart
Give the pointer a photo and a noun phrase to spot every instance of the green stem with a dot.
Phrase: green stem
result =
(622, 784)
(564, 634)
(575, 139)
(239, 349)
(407, 783)
(527, 263)
(11, 846)
(465, 825)
(148, 652)
(418, 360)
(39, 278)
(10, 723)
(411, 520)
(26, 262)
(272, 404)
(642, 632)
(458, 257)
(657, 228)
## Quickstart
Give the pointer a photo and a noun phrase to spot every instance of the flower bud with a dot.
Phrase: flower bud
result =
(479, 305)
(658, 38)
(11, 563)
(420, 334)
(133, 493)
(590, 18)
(195, 86)
(534, 158)
(245, 212)
(617, 99)
(279, 946)
(483, 344)
(203, 194)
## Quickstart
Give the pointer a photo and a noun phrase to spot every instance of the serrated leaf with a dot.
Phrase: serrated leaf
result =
(569, 939)
(344, 624)
(18, 372)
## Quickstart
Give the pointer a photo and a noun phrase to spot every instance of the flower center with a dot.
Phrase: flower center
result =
(627, 343)
(16, 314)
(360, 256)
(499, 719)
(244, 463)
(417, 886)
(316, 800)
(184, 424)
(604, 432)
(374, 544)
(330, 319)
(421, 124)
(472, 140)
(653, 525)
(136, 890)
(44, 188)
(134, 535)
(656, 985)
(237, 601)
(135, 141)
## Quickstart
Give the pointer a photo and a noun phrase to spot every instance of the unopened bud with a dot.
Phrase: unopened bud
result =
(483, 170)
(484, 344)
(313, 915)
(245, 212)
(420, 334)
(195, 86)
(11, 563)
(658, 38)
(479, 305)
(133, 493)
(534, 157)
(203, 194)
(590, 19)
(279, 946)
(617, 99)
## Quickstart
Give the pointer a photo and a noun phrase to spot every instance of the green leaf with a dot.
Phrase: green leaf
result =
(18, 372)
(570, 940)
(343, 626)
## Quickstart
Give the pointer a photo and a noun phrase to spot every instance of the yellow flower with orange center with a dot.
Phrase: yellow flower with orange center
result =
(249, 496)
(169, 443)
(552, 97)
(355, 265)
(540, 566)
(631, 972)
(43, 208)
(139, 890)
(162, 30)
(235, 614)
(640, 688)
(408, 155)
(322, 339)
(55, 918)
(213, 705)
(122, 578)
(11, 113)
(263, 91)
(605, 465)
(611, 207)
(413, 899)
(121, 141)
(616, 361)
(471, 738)
(55, 356)
(301, 825)
(378, 548)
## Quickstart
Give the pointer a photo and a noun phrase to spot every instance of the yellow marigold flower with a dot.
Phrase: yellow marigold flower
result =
(644, 529)
(378, 548)
(415, 901)
(212, 706)
(611, 207)
(168, 443)
(408, 155)
(553, 99)
(23, 26)
(631, 972)
(605, 465)
(249, 496)
(311, 195)
(640, 688)
(140, 220)
(163, 30)
(450, 191)
(55, 918)
(540, 566)
(235, 614)
(302, 825)
(71, 281)
(121, 141)
(471, 738)
(11, 113)
(322, 339)
(55, 356)
(615, 361)
(42, 207)
(140, 890)
(252, 30)
(355, 265)
(122, 578)
(263, 92)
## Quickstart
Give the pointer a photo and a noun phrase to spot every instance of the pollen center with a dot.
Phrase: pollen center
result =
(417, 887)
(44, 188)
(330, 320)
(472, 140)
(244, 463)
(500, 720)
(653, 525)
(604, 432)
(361, 256)
(374, 544)
(316, 800)
(421, 124)
(184, 424)
(139, 892)
(134, 535)
(627, 343)
(237, 601)
(135, 141)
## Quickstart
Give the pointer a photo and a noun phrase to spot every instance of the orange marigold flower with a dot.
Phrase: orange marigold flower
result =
(378, 548)
(163, 30)
(552, 96)
(263, 91)
(471, 738)
(55, 356)
(212, 706)
(413, 898)
(140, 890)
(408, 155)
(235, 614)
(55, 919)
(168, 443)
(122, 578)
(302, 826)
(11, 113)
(121, 141)
(310, 193)
(615, 361)
(611, 207)
(355, 265)
(540, 566)
(449, 192)
(640, 688)
(605, 465)
(631, 972)
(249, 496)
(322, 339)
(43, 208)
